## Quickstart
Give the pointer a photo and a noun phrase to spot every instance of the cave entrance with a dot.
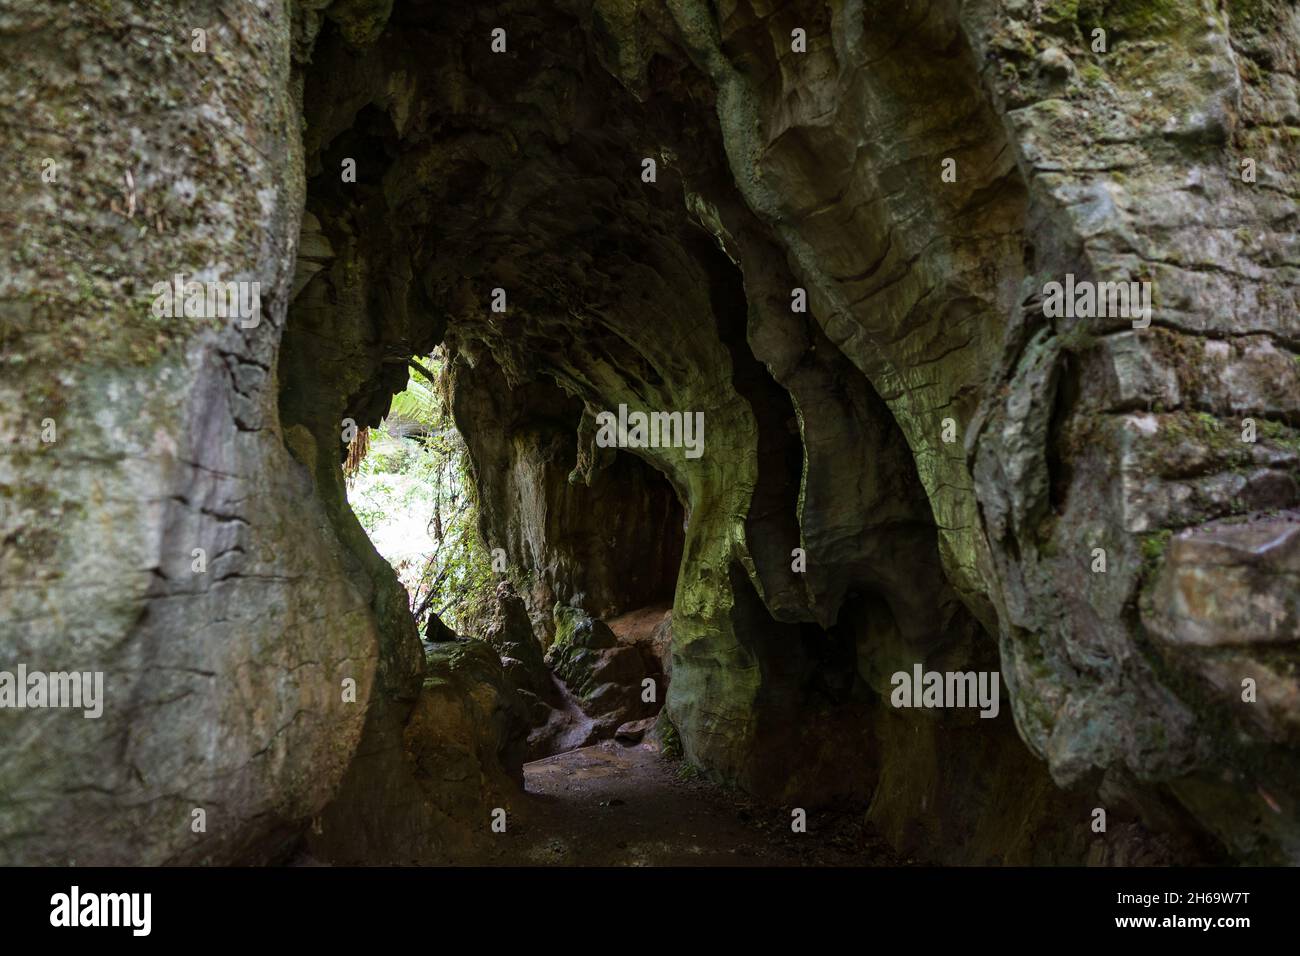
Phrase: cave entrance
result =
(408, 484)
(501, 530)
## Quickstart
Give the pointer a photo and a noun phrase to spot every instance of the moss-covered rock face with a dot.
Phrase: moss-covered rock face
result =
(164, 535)
(906, 459)
(1113, 437)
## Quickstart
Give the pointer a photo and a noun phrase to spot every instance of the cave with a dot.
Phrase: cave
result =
(739, 310)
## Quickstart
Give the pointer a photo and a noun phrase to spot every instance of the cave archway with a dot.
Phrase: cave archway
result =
(578, 244)
(566, 567)
(563, 285)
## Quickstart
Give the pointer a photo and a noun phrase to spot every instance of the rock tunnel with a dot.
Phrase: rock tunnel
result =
(826, 228)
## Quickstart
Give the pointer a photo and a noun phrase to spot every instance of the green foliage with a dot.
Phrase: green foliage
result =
(1132, 19)
(413, 495)
(419, 402)
(687, 771)
(670, 741)
(1153, 548)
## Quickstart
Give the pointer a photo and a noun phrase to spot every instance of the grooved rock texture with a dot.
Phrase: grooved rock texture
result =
(1110, 437)
(222, 687)
(925, 465)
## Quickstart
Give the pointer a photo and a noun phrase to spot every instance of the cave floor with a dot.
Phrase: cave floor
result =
(615, 805)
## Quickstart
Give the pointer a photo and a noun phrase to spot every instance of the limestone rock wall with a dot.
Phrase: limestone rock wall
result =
(222, 687)
(1115, 437)
(605, 530)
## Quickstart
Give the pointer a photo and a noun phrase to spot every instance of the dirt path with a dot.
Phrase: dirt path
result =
(614, 805)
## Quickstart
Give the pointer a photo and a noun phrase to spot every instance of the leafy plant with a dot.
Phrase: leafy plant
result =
(413, 494)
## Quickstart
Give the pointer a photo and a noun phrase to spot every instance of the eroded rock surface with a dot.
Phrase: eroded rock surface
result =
(606, 673)
(428, 790)
(223, 687)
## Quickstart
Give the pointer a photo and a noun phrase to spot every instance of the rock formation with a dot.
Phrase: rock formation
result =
(840, 260)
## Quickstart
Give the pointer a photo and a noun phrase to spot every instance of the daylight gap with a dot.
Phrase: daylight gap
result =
(570, 582)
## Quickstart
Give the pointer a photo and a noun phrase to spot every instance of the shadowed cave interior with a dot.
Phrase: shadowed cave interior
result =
(476, 176)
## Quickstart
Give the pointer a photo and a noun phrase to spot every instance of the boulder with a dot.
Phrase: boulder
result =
(434, 769)
(604, 673)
